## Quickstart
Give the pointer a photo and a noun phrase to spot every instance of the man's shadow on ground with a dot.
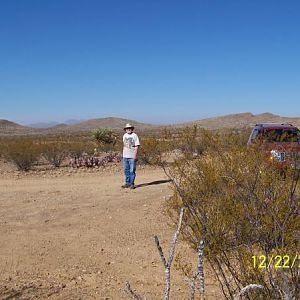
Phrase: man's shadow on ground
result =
(152, 183)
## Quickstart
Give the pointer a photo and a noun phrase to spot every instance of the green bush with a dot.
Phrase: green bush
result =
(105, 138)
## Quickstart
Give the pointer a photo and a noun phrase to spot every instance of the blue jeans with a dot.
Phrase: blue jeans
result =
(129, 165)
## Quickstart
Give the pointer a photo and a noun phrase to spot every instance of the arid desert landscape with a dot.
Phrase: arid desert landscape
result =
(70, 231)
(76, 234)
(201, 98)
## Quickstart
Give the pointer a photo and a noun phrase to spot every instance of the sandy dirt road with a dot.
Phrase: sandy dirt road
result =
(81, 236)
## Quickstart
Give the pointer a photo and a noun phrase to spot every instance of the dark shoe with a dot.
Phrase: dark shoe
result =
(132, 186)
(125, 186)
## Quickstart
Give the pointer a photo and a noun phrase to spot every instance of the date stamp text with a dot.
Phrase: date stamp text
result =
(276, 261)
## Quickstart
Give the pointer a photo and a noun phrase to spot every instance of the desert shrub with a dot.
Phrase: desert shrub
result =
(242, 206)
(151, 150)
(229, 136)
(105, 138)
(191, 141)
(2, 148)
(157, 150)
(243, 135)
(55, 152)
(24, 153)
(77, 148)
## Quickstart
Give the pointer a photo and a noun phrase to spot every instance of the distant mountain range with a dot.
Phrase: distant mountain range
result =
(43, 125)
(239, 120)
(53, 123)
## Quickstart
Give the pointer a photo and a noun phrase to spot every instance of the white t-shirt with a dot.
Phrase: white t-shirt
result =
(130, 141)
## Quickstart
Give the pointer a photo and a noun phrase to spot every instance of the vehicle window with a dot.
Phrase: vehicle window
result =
(282, 135)
(254, 134)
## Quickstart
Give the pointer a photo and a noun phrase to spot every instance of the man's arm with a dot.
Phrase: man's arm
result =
(136, 149)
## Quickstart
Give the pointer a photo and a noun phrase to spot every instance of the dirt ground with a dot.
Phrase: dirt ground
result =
(76, 234)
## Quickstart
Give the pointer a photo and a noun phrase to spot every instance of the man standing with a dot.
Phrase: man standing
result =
(131, 145)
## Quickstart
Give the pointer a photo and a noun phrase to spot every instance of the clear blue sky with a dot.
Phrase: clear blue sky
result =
(152, 61)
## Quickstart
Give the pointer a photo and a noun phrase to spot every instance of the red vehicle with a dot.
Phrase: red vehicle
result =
(282, 140)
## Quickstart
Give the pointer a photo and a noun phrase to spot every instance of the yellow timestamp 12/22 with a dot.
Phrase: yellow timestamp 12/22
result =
(276, 261)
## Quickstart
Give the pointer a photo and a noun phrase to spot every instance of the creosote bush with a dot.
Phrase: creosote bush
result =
(24, 153)
(240, 203)
(77, 148)
(191, 141)
(55, 152)
(2, 148)
(152, 150)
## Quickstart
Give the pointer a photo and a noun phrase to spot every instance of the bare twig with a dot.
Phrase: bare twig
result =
(246, 289)
(131, 293)
(167, 263)
(193, 286)
(199, 273)
(200, 268)
(175, 238)
(286, 293)
(160, 251)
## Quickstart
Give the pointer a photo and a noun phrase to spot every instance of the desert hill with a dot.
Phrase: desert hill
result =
(110, 122)
(5, 124)
(12, 128)
(239, 120)
(242, 120)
